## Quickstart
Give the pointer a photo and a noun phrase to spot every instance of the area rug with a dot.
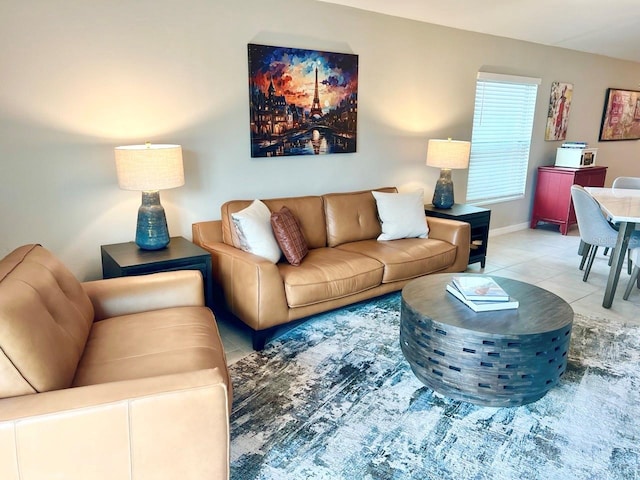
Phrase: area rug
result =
(335, 399)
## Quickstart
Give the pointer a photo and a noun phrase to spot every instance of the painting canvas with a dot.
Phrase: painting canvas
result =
(558, 116)
(621, 115)
(302, 102)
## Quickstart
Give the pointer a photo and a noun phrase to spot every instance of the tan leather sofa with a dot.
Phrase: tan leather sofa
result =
(112, 379)
(345, 263)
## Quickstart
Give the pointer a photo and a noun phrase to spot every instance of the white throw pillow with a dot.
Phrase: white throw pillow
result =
(401, 215)
(253, 225)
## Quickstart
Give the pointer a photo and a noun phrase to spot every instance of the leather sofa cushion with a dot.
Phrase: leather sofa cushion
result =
(308, 210)
(148, 344)
(329, 273)
(406, 258)
(352, 216)
(45, 318)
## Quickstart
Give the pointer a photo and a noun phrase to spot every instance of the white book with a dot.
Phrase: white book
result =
(483, 306)
(480, 287)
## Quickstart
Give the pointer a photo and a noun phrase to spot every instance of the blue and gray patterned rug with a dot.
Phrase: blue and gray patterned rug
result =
(335, 399)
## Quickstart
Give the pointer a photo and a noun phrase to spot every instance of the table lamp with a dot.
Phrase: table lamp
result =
(150, 168)
(446, 154)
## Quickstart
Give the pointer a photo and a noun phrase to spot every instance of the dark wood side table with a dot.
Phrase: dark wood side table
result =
(126, 259)
(477, 217)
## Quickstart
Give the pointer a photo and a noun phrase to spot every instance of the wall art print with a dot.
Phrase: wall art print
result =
(302, 102)
(621, 115)
(558, 116)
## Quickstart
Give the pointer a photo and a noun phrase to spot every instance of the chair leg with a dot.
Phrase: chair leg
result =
(629, 261)
(581, 247)
(592, 255)
(585, 253)
(606, 250)
(634, 278)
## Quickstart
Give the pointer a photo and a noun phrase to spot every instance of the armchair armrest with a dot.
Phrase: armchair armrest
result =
(455, 232)
(126, 295)
(167, 427)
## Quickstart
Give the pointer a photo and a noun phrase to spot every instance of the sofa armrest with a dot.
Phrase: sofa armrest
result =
(173, 426)
(253, 287)
(455, 232)
(206, 232)
(126, 295)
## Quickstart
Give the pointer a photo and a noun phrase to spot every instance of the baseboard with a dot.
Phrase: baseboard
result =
(494, 232)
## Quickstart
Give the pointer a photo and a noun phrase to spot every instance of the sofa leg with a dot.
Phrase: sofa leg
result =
(259, 339)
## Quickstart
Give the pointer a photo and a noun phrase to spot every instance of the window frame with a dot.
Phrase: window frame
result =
(488, 141)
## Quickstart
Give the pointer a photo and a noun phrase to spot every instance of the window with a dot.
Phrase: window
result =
(501, 138)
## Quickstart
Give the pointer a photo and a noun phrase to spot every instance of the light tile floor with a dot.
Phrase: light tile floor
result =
(542, 257)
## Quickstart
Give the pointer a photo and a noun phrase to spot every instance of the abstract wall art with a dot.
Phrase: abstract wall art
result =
(302, 102)
(621, 115)
(558, 116)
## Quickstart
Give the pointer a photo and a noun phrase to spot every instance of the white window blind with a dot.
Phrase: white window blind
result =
(501, 138)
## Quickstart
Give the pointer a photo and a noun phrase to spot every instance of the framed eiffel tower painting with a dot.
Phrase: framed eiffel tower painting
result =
(302, 102)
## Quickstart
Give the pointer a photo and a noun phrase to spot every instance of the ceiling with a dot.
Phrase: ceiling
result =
(605, 27)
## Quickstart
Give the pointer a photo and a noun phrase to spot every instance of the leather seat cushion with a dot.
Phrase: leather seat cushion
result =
(148, 344)
(329, 273)
(407, 257)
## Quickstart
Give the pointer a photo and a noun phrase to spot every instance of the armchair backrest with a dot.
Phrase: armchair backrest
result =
(45, 318)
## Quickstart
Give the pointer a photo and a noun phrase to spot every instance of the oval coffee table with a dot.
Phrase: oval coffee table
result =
(497, 358)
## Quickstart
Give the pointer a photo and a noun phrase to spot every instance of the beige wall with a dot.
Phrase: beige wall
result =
(79, 78)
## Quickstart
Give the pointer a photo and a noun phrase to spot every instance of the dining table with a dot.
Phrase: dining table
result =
(622, 207)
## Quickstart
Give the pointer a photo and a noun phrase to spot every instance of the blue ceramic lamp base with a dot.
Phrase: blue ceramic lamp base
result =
(151, 231)
(443, 194)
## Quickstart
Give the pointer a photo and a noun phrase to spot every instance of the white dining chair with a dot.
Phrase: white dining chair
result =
(630, 183)
(626, 182)
(593, 226)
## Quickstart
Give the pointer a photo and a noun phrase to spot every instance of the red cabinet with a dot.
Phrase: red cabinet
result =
(552, 201)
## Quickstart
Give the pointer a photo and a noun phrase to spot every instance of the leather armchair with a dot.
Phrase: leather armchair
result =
(116, 379)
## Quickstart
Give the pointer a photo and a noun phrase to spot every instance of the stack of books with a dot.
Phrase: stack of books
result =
(481, 293)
